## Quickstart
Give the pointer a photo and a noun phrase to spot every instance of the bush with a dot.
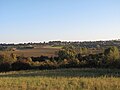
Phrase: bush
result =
(7, 58)
(5, 66)
(112, 53)
(47, 64)
(21, 65)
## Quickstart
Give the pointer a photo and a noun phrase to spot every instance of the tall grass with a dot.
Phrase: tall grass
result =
(61, 79)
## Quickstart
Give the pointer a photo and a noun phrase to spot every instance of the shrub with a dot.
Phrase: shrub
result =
(5, 66)
(7, 58)
(112, 53)
(21, 65)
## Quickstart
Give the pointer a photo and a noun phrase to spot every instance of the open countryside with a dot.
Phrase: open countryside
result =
(59, 44)
(61, 79)
(36, 52)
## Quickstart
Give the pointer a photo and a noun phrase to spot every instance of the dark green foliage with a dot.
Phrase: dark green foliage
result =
(79, 57)
(5, 66)
(21, 65)
(40, 59)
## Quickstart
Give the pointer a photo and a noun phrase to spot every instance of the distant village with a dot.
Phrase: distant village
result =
(86, 44)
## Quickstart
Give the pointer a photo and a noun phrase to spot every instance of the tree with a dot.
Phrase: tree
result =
(67, 52)
(5, 66)
(112, 53)
(20, 65)
(14, 57)
(84, 51)
(7, 58)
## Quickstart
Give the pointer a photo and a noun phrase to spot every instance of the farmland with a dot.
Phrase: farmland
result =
(53, 75)
(36, 52)
(61, 79)
(59, 45)
(68, 71)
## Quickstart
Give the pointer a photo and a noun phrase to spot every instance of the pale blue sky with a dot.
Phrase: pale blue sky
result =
(45, 20)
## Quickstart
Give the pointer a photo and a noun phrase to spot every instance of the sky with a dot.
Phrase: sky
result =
(65, 20)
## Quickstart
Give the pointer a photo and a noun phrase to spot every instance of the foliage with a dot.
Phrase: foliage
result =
(112, 53)
(7, 58)
(20, 65)
(5, 66)
(67, 52)
(68, 57)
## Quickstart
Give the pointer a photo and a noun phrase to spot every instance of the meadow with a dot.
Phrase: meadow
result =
(61, 79)
(36, 52)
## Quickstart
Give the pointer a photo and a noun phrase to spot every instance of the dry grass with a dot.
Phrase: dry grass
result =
(61, 79)
(36, 52)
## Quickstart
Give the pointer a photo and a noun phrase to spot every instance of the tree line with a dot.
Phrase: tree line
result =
(67, 57)
(87, 44)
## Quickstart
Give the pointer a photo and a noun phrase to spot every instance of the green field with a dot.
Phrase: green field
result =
(61, 79)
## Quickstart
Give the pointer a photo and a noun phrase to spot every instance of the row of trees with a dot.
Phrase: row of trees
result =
(110, 58)
(67, 57)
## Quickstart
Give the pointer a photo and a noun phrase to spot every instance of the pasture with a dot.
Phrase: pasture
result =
(61, 79)
(36, 52)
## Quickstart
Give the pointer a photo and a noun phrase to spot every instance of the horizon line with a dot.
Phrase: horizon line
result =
(58, 40)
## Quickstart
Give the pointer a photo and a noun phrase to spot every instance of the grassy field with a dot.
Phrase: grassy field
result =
(61, 79)
(36, 52)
